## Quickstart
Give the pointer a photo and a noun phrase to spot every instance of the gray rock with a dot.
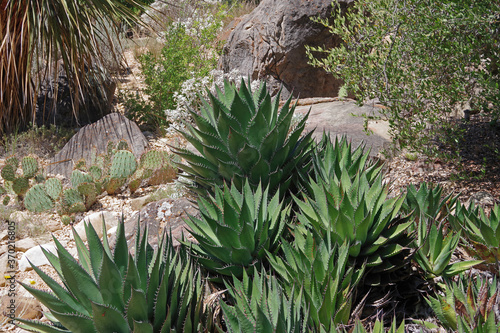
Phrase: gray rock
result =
(269, 44)
(94, 138)
(110, 218)
(25, 244)
(165, 214)
(36, 256)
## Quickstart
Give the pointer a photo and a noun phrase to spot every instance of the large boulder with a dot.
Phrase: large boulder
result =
(269, 44)
(93, 140)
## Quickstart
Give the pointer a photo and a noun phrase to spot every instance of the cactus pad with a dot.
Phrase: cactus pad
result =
(89, 191)
(9, 172)
(71, 199)
(65, 219)
(95, 172)
(2, 190)
(123, 164)
(134, 184)
(163, 175)
(37, 200)
(29, 165)
(122, 145)
(113, 184)
(20, 185)
(53, 187)
(12, 161)
(78, 177)
(154, 159)
(6, 200)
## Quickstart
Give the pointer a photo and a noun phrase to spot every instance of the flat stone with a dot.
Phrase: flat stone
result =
(110, 218)
(36, 256)
(345, 118)
(25, 244)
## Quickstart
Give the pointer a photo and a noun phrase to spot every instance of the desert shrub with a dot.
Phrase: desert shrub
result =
(424, 60)
(190, 51)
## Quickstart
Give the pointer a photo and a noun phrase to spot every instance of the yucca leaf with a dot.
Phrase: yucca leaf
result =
(51, 301)
(143, 327)
(137, 307)
(83, 252)
(94, 243)
(459, 267)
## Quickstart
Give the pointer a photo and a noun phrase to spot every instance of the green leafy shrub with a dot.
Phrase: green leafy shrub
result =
(113, 291)
(245, 135)
(423, 60)
(236, 228)
(190, 50)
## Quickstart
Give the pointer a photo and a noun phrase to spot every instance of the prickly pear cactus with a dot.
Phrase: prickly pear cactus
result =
(37, 200)
(20, 185)
(9, 172)
(95, 172)
(6, 200)
(12, 161)
(72, 201)
(89, 192)
(29, 164)
(123, 164)
(112, 185)
(154, 159)
(53, 188)
(122, 145)
(65, 219)
(78, 177)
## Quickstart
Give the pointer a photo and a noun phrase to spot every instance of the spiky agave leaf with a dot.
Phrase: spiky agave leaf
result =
(324, 276)
(243, 134)
(482, 231)
(235, 228)
(261, 304)
(468, 305)
(113, 291)
(356, 209)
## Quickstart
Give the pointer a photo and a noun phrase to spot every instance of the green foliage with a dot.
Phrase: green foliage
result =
(482, 231)
(261, 305)
(349, 205)
(467, 305)
(236, 228)
(113, 291)
(427, 202)
(244, 135)
(421, 59)
(189, 52)
(378, 327)
(321, 275)
(435, 251)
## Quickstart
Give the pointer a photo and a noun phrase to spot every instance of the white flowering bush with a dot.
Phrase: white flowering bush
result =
(194, 90)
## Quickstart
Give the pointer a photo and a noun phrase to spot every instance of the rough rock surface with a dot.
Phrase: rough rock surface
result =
(269, 44)
(94, 138)
(165, 214)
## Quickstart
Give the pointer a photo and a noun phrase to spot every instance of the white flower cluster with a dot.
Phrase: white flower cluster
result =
(164, 211)
(195, 89)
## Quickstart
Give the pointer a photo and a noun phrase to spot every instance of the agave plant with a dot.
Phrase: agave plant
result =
(153, 291)
(235, 229)
(428, 202)
(434, 251)
(244, 134)
(378, 327)
(332, 159)
(261, 305)
(468, 305)
(356, 209)
(324, 277)
(482, 231)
